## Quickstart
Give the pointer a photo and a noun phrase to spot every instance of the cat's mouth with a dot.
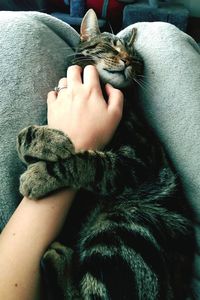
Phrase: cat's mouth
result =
(118, 73)
(122, 72)
(118, 77)
(119, 69)
(115, 71)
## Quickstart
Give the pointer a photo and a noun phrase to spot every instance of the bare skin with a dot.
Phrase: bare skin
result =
(81, 112)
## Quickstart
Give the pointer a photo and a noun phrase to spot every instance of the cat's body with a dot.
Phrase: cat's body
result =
(128, 234)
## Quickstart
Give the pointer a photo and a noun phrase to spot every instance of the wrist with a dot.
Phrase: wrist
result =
(36, 223)
(84, 145)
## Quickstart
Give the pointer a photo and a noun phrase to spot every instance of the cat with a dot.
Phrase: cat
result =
(129, 233)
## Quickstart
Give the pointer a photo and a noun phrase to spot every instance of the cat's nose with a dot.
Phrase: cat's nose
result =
(126, 61)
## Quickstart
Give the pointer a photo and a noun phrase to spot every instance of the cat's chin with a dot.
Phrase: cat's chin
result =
(116, 79)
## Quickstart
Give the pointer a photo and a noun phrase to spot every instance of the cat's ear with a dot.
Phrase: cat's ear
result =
(89, 26)
(132, 37)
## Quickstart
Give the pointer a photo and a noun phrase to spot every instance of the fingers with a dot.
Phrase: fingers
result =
(91, 77)
(74, 76)
(115, 100)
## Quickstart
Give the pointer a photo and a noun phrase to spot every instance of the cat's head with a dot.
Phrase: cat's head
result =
(115, 59)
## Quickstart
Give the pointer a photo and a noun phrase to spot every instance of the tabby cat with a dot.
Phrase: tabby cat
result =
(128, 234)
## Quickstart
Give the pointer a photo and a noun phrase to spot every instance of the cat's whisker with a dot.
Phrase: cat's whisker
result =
(82, 60)
(88, 55)
(69, 49)
(146, 88)
(84, 57)
(81, 57)
(137, 81)
(140, 75)
(111, 29)
(69, 55)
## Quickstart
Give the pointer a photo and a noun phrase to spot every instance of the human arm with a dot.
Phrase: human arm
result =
(35, 224)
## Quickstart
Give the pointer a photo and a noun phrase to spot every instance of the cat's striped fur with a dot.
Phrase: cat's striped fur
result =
(128, 233)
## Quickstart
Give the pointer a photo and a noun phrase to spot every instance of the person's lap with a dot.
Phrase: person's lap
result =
(35, 52)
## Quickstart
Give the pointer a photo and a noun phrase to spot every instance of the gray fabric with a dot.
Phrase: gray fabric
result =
(34, 55)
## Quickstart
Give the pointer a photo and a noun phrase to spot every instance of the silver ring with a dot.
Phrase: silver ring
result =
(57, 89)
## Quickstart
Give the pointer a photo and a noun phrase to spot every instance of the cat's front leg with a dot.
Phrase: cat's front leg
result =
(104, 173)
(55, 165)
(44, 177)
(107, 173)
(36, 143)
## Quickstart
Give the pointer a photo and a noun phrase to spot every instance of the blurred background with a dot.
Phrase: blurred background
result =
(185, 14)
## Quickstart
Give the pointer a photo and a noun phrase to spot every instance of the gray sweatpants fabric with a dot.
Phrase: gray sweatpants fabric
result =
(35, 50)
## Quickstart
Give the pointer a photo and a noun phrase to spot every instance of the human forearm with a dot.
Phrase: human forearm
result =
(33, 226)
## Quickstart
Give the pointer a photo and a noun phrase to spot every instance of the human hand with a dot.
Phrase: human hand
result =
(80, 110)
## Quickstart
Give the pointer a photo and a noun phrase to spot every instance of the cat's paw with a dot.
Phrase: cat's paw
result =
(57, 268)
(36, 143)
(57, 259)
(39, 181)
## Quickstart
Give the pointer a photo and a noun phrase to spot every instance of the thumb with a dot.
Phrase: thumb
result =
(115, 99)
